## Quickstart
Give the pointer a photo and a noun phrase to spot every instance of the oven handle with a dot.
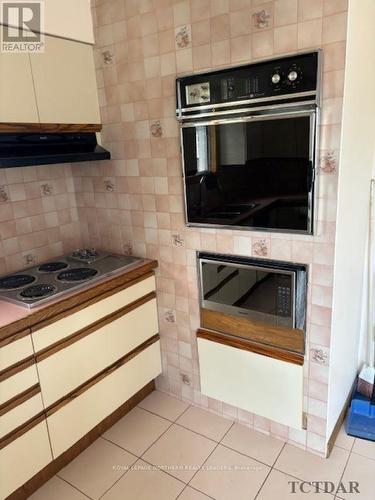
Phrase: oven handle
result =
(250, 117)
(307, 105)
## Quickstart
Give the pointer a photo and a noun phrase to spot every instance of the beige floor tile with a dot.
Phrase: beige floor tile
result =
(253, 443)
(343, 440)
(278, 487)
(362, 470)
(180, 451)
(365, 448)
(97, 468)
(57, 489)
(230, 475)
(191, 494)
(143, 483)
(164, 405)
(204, 422)
(138, 430)
(309, 467)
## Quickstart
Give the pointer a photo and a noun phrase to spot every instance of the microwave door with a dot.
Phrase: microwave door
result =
(259, 294)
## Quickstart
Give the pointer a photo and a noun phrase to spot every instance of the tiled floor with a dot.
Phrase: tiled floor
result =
(165, 449)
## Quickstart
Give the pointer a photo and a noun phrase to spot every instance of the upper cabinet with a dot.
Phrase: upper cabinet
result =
(17, 98)
(70, 19)
(65, 83)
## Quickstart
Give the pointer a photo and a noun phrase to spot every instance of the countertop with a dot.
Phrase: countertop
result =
(14, 318)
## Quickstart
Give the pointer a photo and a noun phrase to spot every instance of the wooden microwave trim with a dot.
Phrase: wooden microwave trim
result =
(61, 461)
(16, 368)
(290, 339)
(19, 399)
(247, 345)
(62, 128)
(100, 376)
(73, 303)
(93, 327)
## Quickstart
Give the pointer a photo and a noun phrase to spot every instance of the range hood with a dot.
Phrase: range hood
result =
(26, 149)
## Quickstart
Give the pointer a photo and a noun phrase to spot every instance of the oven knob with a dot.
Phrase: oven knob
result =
(292, 76)
(276, 78)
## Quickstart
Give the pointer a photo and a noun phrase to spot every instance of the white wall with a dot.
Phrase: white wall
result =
(355, 169)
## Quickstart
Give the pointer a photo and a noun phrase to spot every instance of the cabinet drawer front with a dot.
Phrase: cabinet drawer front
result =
(268, 387)
(23, 458)
(72, 421)
(72, 366)
(18, 383)
(20, 414)
(15, 351)
(67, 326)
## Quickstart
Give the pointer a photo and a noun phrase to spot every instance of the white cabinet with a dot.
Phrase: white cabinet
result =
(69, 423)
(24, 457)
(74, 365)
(17, 97)
(259, 384)
(65, 83)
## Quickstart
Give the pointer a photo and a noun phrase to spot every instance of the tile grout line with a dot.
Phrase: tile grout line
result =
(200, 468)
(344, 469)
(269, 472)
(73, 486)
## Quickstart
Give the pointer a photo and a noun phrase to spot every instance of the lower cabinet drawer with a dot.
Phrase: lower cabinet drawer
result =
(22, 458)
(20, 414)
(18, 383)
(15, 351)
(78, 416)
(69, 368)
(259, 384)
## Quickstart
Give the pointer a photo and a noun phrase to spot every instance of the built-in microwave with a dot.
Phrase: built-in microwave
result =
(249, 140)
(265, 291)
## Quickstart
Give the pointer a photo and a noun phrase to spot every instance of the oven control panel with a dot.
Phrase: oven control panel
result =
(285, 78)
(283, 301)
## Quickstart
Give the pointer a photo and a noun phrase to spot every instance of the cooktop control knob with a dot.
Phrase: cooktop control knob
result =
(292, 75)
(276, 78)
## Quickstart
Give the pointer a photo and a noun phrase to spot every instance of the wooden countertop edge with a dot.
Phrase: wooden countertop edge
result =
(248, 345)
(79, 299)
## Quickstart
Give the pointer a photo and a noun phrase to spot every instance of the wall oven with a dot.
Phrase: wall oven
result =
(249, 140)
(267, 292)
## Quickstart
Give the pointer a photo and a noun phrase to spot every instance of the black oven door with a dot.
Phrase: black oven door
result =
(251, 172)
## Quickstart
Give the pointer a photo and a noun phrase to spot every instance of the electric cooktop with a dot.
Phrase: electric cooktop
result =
(36, 285)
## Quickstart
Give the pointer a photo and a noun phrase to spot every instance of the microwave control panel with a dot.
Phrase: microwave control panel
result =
(277, 77)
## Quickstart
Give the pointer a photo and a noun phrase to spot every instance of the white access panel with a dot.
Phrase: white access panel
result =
(265, 386)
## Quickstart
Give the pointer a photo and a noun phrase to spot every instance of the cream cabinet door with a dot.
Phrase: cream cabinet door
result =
(23, 458)
(65, 82)
(265, 386)
(17, 96)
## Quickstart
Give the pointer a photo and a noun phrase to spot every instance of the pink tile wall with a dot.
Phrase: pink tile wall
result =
(134, 203)
(38, 215)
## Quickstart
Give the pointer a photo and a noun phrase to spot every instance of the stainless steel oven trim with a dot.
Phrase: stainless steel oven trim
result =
(313, 113)
(261, 117)
(259, 100)
(207, 303)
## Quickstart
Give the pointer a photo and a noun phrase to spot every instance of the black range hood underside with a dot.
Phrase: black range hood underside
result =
(24, 149)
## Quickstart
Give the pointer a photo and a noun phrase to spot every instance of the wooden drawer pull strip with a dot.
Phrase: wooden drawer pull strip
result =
(18, 367)
(66, 342)
(22, 429)
(97, 378)
(19, 399)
